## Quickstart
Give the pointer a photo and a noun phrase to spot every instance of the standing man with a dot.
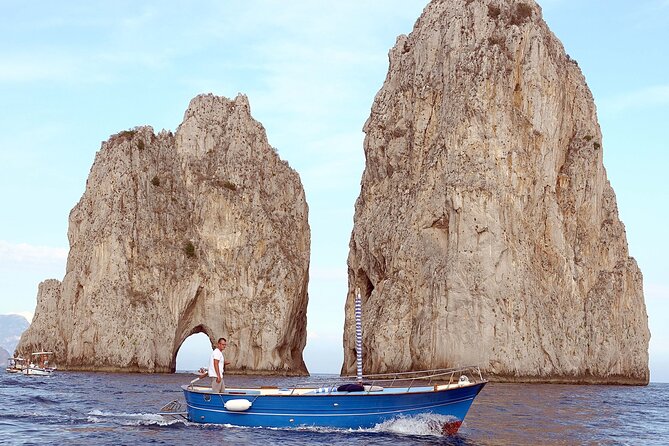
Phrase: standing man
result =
(217, 365)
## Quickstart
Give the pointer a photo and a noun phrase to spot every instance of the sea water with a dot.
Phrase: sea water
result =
(72, 408)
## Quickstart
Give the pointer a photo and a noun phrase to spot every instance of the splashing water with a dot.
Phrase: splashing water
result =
(130, 419)
(423, 424)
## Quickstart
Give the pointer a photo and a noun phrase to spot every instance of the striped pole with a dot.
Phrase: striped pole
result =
(358, 333)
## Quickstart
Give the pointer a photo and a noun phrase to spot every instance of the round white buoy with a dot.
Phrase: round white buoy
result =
(238, 405)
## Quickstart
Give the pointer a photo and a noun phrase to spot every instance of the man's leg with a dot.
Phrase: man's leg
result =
(216, 387)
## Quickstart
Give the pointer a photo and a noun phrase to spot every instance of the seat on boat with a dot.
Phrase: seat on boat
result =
(351, 387)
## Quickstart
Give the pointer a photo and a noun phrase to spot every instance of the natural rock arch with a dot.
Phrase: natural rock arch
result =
(181, 338)
(205, 228)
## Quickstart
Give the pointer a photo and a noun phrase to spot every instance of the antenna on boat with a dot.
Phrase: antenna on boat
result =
(358, 333)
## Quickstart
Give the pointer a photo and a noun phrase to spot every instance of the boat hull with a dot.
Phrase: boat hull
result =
(348, 410)
(36, 371)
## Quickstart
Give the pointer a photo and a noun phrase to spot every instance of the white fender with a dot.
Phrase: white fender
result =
(238, 405)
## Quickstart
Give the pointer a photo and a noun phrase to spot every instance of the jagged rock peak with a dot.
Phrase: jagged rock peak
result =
(218, 107)
(486, 230)
(204, 230)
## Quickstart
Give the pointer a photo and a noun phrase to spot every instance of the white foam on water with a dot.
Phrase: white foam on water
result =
(423, 424)
(130, 419)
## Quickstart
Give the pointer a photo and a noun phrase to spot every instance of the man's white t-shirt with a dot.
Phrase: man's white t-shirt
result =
(216, 354)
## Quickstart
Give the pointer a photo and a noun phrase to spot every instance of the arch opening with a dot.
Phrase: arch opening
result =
(193, 353)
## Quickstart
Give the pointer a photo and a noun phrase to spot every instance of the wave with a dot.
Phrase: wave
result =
(423, 424)
(418, 425)
(132, 419)
(25, 382)
(26, 415)
(149, 419)
(11, 382)
(44, 400)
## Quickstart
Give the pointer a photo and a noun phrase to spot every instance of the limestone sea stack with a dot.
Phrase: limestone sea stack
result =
(202, 231)
(486, 231)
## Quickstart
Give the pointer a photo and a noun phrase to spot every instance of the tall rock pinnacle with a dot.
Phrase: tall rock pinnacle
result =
(486, 230)
(202, 231)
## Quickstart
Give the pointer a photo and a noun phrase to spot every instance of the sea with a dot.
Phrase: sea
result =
(74, 408)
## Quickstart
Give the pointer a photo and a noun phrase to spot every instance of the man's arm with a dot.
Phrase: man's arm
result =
(218, 372)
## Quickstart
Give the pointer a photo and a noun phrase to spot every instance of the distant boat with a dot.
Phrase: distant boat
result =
(15, 365)
(39, 365)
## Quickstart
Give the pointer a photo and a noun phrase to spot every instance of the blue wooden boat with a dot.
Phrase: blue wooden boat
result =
(340, 403)
(363, 401)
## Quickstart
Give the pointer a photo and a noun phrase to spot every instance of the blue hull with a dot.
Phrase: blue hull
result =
(348, 410)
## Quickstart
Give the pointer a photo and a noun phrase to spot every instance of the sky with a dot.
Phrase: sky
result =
(73, 73)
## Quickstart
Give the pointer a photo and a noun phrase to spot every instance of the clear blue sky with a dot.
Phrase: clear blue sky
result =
(73, 73)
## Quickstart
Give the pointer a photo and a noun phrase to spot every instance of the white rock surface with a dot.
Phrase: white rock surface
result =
(202, 231)
(486, 230)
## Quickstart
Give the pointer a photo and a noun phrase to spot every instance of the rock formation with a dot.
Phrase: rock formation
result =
(201, 231)
(486, 230)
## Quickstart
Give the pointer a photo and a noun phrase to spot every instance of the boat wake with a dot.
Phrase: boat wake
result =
(419, 425)
(132, 419)
(422, 425)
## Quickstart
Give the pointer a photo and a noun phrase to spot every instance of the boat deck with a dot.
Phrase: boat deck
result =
(327, 390)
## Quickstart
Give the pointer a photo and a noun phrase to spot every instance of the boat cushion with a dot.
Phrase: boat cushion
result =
(350, 387)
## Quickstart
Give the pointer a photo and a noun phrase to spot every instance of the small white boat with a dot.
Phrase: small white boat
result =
(39, 365)
(15, 365)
